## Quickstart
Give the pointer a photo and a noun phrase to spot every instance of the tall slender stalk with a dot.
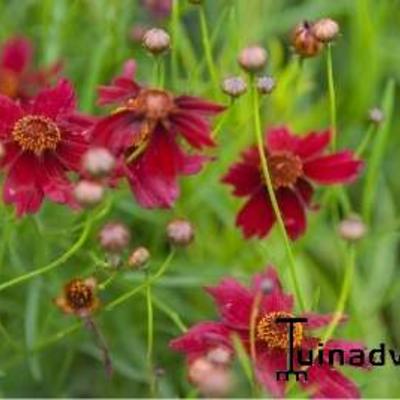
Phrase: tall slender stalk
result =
(332, 94)
(272, 197)
(150, 337)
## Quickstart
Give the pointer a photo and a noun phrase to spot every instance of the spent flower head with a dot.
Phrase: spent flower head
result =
(139, 257)
(304, 41)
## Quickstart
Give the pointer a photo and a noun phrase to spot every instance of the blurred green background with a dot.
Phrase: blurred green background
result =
(40, 356)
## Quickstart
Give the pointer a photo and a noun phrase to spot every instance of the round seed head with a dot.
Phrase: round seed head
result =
(98, 162)
(352, 228)
(234, 86)
(139, 257)
(88, 193)
(156, 41)
(376, 115)
(326, 30)
(265, 84)
(114, 237)
(180, 232)
(253, 58)
(304, 41)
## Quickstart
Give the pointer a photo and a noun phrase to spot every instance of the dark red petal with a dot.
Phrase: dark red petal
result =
(268, 363)
(336, 168)
(10, 113)
(281, 139)
(70, 150)
(16, 54)
(194, 129)
(257, 217)
(347, 346)
(312, 144)
(234, 302)
(316, 321)
(153, 176)
(201, 338)
(198, 105)
(55, 101)
(20, 187)
(304, 190)
(326, 383)
(269, 273)
(245, 178)
(292, 211)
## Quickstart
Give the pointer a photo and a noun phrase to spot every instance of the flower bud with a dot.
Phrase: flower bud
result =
(98, 162)
(325, 30)
(139, 257)
(180, 232)
(265, 84)
(234, 86)
(375, 115)
(88, 194)
(253, 58)
(156, 41)
(219, 355)
(304, 41)
(114, 237)
(352, 228)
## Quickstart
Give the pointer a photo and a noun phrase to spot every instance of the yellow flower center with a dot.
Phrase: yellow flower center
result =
(285, 168)
(36, 133)
(274, 334)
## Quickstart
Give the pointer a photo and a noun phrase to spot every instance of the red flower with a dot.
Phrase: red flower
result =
(294, 163)
(17, 79)
(43, 140)
(143, 134)
(236, 304)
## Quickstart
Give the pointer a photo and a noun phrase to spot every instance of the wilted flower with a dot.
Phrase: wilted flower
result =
(79, 297)
(114, 237)
(234, 86)
(180, 232)
(143, 134)
(88, 193)
(293, 162)
(376, 115)
(139, 257)
(352, 228)
(235, 304)
(253, 58)
(156, 40)
(325, 30)
(98, 162)
(18, 80)
(304, 41)
(265, 84)
(43, 140)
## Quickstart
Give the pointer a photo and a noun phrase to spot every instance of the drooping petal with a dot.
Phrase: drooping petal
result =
(10, 113)
(341, 167)
(312, 144)
(70, 150)
(194, 129)
(198, 105)
(234, 303)
(293, 212)
(268, 363)
(55, 101)
(20, 186)
(16, 54)
(326, 383)
(201, 338)
(305, 191)
(280, 139)
(257, 217)
(245, 179)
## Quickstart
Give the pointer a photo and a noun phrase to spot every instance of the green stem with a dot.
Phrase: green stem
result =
(365, 142)
(207, 47)
(332, 94)
(344, 293)
(272, 198)
(171, 314)
(175, 38)
(54, 264)
(150, 336)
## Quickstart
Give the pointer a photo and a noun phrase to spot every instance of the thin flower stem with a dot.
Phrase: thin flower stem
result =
(272, 197)
(150, 336)
(175, 38)
(366, 140)
(54, 264)
(205, 36)
(344, 293)
(169, 312)
(223, 119)
(332, 94)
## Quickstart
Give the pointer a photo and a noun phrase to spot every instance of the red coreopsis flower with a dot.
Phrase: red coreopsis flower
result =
(43, 140)
(236, 304)
(18, 79)
(295, 164)
(143, 134)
